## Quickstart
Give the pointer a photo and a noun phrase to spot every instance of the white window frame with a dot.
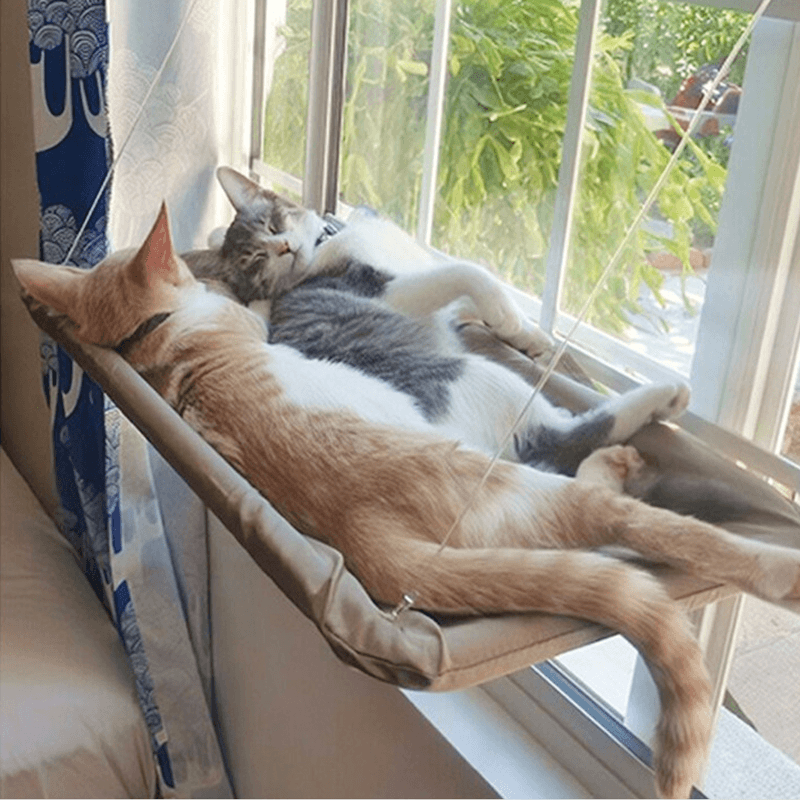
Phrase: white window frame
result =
(738, 383)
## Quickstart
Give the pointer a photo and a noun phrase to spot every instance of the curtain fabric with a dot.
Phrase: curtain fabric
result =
(171, 152)
(139, 532)
(69, 57)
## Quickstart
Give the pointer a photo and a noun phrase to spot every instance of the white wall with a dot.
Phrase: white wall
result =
(297, 722)
(25, 419)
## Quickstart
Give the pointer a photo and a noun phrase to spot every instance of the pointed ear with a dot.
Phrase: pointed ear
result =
(55, 286)
(241, 191)
(156, 260)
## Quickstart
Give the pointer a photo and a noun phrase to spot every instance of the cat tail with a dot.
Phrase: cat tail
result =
(577, 584)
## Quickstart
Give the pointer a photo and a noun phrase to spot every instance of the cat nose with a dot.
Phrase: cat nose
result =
(284, 247)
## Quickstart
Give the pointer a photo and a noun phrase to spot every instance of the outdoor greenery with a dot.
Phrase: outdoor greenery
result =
(673, 39)
(287, 106)
(509, 70)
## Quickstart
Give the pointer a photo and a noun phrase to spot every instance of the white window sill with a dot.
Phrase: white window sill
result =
(514, 764)
(503, 753)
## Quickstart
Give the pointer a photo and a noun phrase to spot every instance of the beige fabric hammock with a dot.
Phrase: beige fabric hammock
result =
(415, 650)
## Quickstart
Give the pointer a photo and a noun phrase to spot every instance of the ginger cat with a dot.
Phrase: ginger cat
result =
(352, 461)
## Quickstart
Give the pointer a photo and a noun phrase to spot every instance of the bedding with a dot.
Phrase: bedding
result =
(70, 721)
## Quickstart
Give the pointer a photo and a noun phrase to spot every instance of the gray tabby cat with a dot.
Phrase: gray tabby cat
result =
(371, 298)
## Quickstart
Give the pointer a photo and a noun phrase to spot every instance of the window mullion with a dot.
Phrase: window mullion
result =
(783, 362)
(740, 384)
(325, 100)
(435, 120)
(779, 351)
(751, 268)
(717, 632)
(555, 264)
(259, 89)
(749, 331)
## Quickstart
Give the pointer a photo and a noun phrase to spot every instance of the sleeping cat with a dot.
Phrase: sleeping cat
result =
(373, 299)
(352, 461)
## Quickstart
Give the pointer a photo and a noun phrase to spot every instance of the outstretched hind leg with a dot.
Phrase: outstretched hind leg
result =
(768, 571)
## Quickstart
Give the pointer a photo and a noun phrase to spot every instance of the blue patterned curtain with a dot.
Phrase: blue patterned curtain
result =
(69, 58)
(110, 509)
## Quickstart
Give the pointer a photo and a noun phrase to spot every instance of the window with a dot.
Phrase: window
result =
(527, 135)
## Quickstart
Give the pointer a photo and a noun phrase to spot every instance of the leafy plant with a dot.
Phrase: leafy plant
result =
(383, 125)
(674, 39)
(285, 113)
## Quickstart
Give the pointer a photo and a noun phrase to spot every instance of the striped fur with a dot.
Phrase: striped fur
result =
(386, 493)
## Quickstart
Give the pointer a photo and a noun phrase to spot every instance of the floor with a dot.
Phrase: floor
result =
(743, 765)
(765, 675)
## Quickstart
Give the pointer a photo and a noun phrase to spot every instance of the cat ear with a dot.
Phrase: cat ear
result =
(241, 191)
(156, 260)
(55, 286)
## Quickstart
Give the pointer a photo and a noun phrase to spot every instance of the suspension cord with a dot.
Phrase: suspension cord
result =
(708, 92)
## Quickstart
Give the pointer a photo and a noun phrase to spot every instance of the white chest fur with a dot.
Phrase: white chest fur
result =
(325, 385)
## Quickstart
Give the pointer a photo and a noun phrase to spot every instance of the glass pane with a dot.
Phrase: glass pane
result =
(604, 670)
(509, 73)
(287, 46)
(653, 60)
(386, 93)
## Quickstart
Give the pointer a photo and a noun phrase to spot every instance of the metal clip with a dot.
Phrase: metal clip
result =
(403, 605)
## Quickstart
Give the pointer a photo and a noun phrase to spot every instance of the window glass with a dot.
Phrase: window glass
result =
(604, 670)
(653, 60)
(386, 92)
(509, 70)
(287, 47)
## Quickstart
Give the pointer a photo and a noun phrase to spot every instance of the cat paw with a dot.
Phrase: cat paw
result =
(673, 401)
(531, 339)
(612, 466)
(781, 574)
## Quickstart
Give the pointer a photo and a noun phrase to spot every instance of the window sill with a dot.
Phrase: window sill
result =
(514, 764)
(503, 753)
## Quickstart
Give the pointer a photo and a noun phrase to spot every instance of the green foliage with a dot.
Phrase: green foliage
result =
(674, 39)
(383, 126)
(509, 71)
(287, 106)
(510, 67)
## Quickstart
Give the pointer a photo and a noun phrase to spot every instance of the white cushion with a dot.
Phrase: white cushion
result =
(70, 720)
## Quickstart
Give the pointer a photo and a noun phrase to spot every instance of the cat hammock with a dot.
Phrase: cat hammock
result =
(413, 650)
